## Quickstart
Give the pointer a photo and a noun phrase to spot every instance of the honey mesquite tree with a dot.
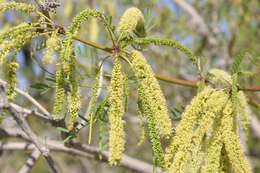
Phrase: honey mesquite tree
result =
(207, 139)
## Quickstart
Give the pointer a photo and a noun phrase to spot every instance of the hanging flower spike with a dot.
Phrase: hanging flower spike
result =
(115, 114)
(150, 91)
(209, 113)
(231, 142)
(59, 93)
(11, 79)
(145, 110)
(243, 111)
(67, 69)
(189, 120)
(132, 21)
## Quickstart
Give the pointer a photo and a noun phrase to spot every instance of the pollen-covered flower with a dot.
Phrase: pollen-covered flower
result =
(150, 91)
(132, 21)
(115, 114)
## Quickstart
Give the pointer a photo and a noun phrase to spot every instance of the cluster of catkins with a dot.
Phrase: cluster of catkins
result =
(205, 140)
(12, 40)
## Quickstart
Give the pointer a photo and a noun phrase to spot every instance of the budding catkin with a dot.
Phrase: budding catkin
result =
(132, 21)
(150, 91)
(115, 114)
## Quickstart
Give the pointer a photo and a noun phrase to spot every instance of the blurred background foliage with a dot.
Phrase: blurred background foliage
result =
(229, 28)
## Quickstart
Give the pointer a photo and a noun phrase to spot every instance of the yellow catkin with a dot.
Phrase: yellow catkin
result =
(231, 141)
(213, 156)
(152, 93)
(188, 122)
(10, 71)
(211, 109)
(115, 114)
(132, 21)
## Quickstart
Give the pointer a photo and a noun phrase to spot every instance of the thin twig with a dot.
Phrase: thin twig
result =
(29, 98)
(30, 162)
(20, 120)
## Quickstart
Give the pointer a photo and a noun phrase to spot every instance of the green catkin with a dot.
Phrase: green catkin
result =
(115, 114)
(188, 122)
(67, 49)
(231, 141)
(59, 94)
(67, 63)
(144, 108)
(27, 8)
(243, 111)
(52, 45)
(132, 21)
(11, 33)
(11, 79)
(149, 90)
(73, 99)
(167, 42)
(93, 103)
(16, 42)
